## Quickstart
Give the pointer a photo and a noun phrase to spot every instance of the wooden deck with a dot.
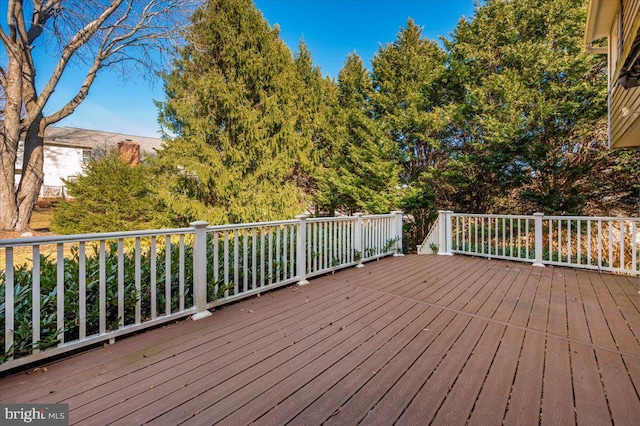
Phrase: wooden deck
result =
(412, 340)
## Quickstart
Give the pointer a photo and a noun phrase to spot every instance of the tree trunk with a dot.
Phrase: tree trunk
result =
(9, 143)
(8, 207)
(32, 172)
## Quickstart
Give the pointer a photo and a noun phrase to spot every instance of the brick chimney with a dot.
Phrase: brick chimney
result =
(129, 152)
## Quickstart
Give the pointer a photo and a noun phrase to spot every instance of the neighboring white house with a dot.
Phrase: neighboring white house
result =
(60, 162)
(68, 149)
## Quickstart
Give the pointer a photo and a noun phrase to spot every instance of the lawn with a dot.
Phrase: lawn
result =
(40, 226)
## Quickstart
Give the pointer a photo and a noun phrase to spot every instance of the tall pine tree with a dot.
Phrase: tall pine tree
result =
(235, 153)
(314, 120)
(410, 102)
(360, 171)
(408, 77)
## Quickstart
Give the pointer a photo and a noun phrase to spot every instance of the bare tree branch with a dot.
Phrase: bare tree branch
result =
(76, 42)
(92, 33)
(11, 11)
(70, 107)
(3, 77)
(41, 14)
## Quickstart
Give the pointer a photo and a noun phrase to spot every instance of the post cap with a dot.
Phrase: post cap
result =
(199, 224)
(301, 216)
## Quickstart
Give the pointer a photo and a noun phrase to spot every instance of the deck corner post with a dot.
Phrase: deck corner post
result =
(9, 321)
(200, 269)
(445, 232)
(538, 239)
(398, 232)
(358, 246)
(442, 232)
(301, 254)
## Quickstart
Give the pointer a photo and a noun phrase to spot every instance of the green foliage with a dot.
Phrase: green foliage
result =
(232, 104)
(533, 111)
(314, 116)
(508, 116)
(409, 101)
(110, 196)
(409, 81)
(360, 171)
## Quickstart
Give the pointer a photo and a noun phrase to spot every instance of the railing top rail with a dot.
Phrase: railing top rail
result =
(506, 216)
(377, 216)
(332, 219)
(545, 217)
(77, 238)
(593, 218)
(232, 227)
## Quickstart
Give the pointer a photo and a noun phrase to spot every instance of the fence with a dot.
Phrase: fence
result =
(80, 290)
(600, 243)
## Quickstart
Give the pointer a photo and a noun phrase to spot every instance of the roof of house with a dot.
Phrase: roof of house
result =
(600, 16)
(97, 140)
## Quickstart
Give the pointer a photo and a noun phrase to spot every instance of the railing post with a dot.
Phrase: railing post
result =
(538, 239)
(200, 269)
(398, 232)
(442, 233)
(9, 289)
(358, 239)
(445, 238)
(449, 215)
(301, 255)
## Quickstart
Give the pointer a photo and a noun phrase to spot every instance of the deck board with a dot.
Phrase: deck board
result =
(491, 402)
(557, 393)
(461, 398)
(591, 404)
(526, 394)
(407, 340)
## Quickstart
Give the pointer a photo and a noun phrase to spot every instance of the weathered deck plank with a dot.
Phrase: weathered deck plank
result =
(410, 340)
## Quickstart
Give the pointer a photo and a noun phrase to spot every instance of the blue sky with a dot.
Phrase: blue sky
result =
(331, 29)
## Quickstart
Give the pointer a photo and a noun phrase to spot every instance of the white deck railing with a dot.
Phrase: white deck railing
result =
(601, 243)
(67, 292)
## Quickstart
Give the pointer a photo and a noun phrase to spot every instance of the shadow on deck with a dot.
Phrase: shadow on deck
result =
(413, 340)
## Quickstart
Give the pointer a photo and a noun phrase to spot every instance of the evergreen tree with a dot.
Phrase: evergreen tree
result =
(531, 130)
(411, 102)
(110, 196)
(232, 104)
(314, 118)
(409, 81)
(360, 172)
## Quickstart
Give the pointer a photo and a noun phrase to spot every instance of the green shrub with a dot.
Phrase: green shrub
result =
(110, 196)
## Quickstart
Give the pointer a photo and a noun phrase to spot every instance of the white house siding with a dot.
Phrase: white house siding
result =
(60, 162)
